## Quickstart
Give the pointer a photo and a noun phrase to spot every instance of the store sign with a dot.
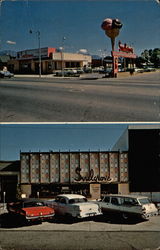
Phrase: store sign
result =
(91, 177)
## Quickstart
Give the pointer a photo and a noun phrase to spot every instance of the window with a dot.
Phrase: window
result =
(129, 201)
(106, 199)
(114, 201)
(81, 200)
(62, 200)
(144, 201)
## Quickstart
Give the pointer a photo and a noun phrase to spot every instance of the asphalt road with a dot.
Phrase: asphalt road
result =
(28, 99)
(88, 234)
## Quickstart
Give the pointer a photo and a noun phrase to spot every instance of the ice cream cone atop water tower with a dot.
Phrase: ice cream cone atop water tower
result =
(111, 28)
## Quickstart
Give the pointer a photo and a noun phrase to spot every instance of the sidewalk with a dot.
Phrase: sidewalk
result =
(88, 76)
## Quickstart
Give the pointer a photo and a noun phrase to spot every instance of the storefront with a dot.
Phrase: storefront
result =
(89, 173)
(27, 61)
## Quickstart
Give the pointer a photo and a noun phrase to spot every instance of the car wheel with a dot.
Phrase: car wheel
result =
(125, 216)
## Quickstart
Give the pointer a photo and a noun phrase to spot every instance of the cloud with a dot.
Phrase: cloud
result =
(11, 42)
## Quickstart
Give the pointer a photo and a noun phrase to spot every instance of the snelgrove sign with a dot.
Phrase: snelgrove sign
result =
(74, 167)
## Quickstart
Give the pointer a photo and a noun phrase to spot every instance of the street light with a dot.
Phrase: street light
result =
(39, 49)
(102, 55)
(62, 55)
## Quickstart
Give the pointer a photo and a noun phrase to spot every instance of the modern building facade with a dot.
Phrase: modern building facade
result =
(131, 166)
(54, 172)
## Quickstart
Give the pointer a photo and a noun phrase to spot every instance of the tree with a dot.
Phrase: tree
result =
(155, 57)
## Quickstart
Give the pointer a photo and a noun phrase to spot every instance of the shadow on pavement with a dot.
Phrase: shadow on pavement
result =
(117, 219)
(101, 218)
(14, 221)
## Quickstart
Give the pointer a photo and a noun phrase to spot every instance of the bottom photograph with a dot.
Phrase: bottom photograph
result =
(80, 177)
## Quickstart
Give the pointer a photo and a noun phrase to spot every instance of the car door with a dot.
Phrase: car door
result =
(110, 204)
(130, 205)
(62, 206)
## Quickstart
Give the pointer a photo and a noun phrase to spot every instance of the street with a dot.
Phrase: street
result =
(97, 233)
(30, 99)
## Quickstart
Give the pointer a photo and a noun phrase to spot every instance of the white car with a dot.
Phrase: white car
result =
(4, 74)
(128, 206)
(74, 205)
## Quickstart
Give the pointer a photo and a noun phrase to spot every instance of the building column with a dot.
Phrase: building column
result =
(123, 188)
(95, 191)
(33, 66)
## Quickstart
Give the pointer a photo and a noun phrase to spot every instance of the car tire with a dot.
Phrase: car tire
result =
(125, 216)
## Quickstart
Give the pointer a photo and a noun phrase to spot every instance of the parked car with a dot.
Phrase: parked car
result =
(128, 206)
(107, 72)
(138, 70)
(31, 209)
(149, 69)
(74, 206)
(6, 74)
(67, 73)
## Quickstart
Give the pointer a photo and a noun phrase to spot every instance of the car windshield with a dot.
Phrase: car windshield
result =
(33, 204)
(144, 201)
(77, 200)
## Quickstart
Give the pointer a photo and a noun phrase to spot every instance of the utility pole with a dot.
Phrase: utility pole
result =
(62, 54)
(39, 50)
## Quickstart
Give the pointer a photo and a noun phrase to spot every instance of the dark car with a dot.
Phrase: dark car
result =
(4, 74)
(31, 209)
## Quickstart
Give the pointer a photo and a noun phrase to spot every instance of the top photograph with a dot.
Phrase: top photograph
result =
(79, 61)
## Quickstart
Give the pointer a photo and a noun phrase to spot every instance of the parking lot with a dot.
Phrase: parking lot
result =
(100, 233)
(99, 223)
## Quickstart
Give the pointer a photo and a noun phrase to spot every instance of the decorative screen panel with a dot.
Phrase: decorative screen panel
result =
(25, 172)
(84, 164)
(64, 167)
(113, 163)
(94, 163)
(123, 166)
(44, 168)
(74, 164)
(104, 165)
(54, 168)
(34, 168)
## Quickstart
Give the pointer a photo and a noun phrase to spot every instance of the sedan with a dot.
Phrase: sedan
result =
(6, 74)
(74, 206)
(31, 210)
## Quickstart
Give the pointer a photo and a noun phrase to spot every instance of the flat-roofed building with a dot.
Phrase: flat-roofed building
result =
(27, 61)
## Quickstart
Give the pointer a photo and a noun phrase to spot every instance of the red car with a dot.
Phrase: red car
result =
(31, 210)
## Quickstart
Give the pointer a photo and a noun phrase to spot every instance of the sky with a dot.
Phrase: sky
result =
(64, 137)
(80, 23)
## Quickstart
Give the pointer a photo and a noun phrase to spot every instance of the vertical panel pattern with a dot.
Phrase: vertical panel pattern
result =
(74, 163)
(34, 169)
(44, 168)
(25, 175)
(123, 167)
(104, 164)
(84, 164)
(64, 160)
(54, 168)
(113, 160)
(94, 163)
